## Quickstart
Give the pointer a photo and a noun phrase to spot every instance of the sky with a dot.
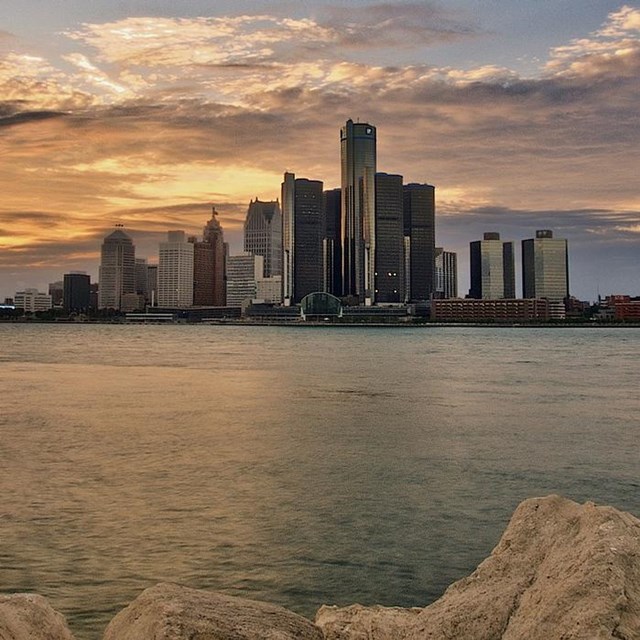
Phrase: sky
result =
(523, 114)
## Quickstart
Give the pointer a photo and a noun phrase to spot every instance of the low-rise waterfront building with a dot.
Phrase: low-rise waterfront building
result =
(497, 310)
(32, 300)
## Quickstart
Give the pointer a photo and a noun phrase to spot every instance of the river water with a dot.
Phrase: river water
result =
(295, 465)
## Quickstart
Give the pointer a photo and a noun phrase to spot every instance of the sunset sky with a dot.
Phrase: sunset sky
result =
(523, 113)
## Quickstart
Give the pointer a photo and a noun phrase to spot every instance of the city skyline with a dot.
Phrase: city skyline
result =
(522, 118)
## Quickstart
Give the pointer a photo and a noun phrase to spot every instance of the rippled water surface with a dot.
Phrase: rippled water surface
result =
(301, 465)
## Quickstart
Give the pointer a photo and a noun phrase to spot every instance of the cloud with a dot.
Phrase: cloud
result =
(34, 82)
(615, 48)
(163, 116)
(26, 117)
(255, 40)
(400, 24)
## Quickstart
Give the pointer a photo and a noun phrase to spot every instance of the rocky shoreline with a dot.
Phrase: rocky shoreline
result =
(561, 571)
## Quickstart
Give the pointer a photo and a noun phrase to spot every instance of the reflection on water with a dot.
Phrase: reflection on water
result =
(294, 465)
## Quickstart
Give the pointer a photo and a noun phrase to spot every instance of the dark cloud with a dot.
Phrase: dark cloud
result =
(36, 217)
(398, 24)
(9, 117)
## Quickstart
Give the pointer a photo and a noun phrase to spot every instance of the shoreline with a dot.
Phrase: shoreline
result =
(329, 324)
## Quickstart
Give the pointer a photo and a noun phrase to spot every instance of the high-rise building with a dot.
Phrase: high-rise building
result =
(545, 267)
(263, 234)
(209, 265)
(419, 228)
(358, 169)
(77, 287)
(152, 284)
(175, 271)
(117, 269)
(332, 242)
(214, 236)
(389, 254)
(303, 231)
(142, 282)
(492, 268)
(446, 274)
(243, 273)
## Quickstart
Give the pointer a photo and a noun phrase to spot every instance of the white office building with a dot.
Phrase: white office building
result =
(32, 300)
(175, 271)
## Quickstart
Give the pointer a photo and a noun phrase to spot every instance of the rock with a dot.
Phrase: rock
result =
(26, 616)
(561, 571)
(365, 623)
(171, 612)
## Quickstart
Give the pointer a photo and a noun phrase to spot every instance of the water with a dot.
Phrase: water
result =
(300, 466)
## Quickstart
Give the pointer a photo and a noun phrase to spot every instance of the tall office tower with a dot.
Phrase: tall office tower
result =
(214, 236)
(142, 284)
(303, 230)
(419, 228)
(175, 271)
(152, 284)
(389, 256)
(492, 268)
(545, 267)
(263, 234)
(243, 273)
(446, 274)
(117, 273)
(358, 169)
(203, 273)
(77, 285)
(332, 242)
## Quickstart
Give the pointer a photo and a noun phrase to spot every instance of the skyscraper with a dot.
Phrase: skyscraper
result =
(492, 268)
(446, 274)
(142, 284)
(332, 242)
(175, 271)
(214, 235)
(545, 267)
(419, 229)
(358, 169)
(209, 287)
(117, 269)
(303, 231)
(389, 225)
(263, 234)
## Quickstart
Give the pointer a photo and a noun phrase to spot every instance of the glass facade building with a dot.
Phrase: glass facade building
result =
(419, 228)
(545, 267)
(303, 234)
(492, 268)
(358, 169)
(389, 256)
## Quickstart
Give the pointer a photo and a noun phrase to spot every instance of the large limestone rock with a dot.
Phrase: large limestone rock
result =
(365, 623)
(171, 612)
(26, 616)
(561, 571)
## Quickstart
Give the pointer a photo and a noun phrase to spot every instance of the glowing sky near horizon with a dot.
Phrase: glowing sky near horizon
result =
(523, 114)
